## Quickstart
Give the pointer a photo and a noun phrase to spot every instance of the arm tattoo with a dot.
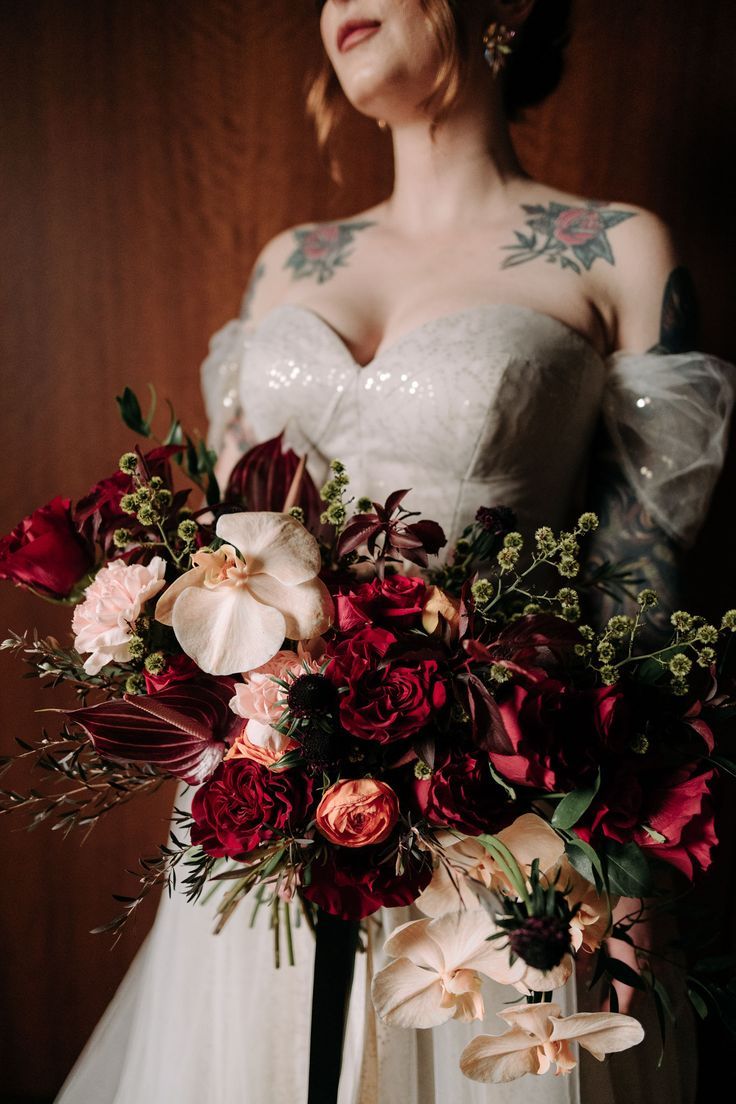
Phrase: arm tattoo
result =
(320, 251)
(628, 532)
(573, 237)
(678, 328)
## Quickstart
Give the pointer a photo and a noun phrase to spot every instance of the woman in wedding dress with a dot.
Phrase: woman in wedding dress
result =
(461, 338)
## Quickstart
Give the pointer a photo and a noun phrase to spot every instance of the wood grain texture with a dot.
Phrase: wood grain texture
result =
(147, 151)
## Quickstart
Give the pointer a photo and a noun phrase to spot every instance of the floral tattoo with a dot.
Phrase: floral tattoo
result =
(678, 328)
(319, 252)
(573, 237)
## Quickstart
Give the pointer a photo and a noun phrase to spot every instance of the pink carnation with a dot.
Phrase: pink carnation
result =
(103, 623)
(258, 697)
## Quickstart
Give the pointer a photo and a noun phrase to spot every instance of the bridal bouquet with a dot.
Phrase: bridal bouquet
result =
(365, 724)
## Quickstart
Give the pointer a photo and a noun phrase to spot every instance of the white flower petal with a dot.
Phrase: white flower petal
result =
(599, 1032)
(500, 1058)
(531, 837)
(307, 608)
(411, 940)
(275, 543)
(405, 995)
(165, 606)
(448, 891)
(542, 981)
(534, 1018)
(225, 630)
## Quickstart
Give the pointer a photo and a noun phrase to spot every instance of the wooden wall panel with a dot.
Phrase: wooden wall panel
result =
(147, 150)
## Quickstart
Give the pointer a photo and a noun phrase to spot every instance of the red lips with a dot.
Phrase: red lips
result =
(351, 26)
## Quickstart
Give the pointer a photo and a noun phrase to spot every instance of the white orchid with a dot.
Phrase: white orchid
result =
(232, 611)
(539, 1036)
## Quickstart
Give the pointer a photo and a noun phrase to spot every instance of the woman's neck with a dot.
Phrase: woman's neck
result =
(451, 181)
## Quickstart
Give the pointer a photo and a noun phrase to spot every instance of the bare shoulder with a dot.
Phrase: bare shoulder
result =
(309, 249)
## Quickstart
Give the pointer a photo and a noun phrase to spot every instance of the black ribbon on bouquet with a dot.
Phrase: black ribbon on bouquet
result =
(334, 962)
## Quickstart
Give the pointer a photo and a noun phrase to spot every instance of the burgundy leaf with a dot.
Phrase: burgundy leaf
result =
(489, 731)
(394, 499)
(182, 730)
(429, 533)
(356, 532)
(262, 477)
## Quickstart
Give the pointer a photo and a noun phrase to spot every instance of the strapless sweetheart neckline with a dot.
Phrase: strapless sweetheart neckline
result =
(452, 316)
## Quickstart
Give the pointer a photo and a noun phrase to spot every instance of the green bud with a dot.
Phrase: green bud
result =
(681, 620)
(463, 546)
(545, 540)
(145, 514)
(680, 665)
(728, 621)
(128, 504)
(571, 613)
(135, 684)
(335, 514)
(128, 463)
(707, 634)
(606, 651)
(588, 521)
(620, 626)
(587, 632)
(567, 596)
(568, 567)
(121, 537)
(582, 649)
(137, 646)
(532, 607)
(187, 530)
(163, 499)
(155, 663)
(155, 482)
(364, 505)
(609, 676)
(507, 558)
(421, 770)
(499, 673)
(706, 657)
(647, 598)
(513, 540)
(679, 687)
(482, 591)
(337, 467)
(640, 744)
(297, 513)
(143, 495)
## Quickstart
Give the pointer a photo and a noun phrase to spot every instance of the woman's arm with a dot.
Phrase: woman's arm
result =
(654, 308)
(655, 311)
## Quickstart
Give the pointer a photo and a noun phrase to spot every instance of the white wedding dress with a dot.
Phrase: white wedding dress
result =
(493, 404)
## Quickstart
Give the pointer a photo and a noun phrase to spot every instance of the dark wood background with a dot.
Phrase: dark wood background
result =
(147, 150)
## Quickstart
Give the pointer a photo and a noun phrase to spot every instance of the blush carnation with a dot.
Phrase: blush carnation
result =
(103, 623)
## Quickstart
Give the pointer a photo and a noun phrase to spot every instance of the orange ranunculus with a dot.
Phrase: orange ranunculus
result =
(357, 812)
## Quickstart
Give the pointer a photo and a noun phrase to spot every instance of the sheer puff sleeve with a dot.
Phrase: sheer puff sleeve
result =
(220, 373)
(667, 417)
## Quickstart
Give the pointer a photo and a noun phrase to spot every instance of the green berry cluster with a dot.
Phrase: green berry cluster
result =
(333, 493)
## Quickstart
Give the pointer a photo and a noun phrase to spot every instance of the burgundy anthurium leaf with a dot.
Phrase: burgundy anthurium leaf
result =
(182, 730)
(262, 477)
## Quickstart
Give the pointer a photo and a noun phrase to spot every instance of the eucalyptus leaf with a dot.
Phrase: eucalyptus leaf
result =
(131, 413)
(628, 869)
(573, 805)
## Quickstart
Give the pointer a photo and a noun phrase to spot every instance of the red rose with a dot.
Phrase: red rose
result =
(46, 552)
(397, 601)
(353, 883)
(578, 225)
(462, 793)
(552, 734)
(673, 802)
(244, 804)
(386, 699)
(179, 668)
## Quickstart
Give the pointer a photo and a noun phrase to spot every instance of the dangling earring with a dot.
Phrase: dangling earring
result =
(382, 124)
(496, 46)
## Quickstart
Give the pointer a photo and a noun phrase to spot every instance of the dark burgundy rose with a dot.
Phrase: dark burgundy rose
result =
(355, 882)
(496, 520)
(462, 794)
(552, 733)
(612, 717)
(98, 514)
(578, 225)
(395, 601)
(386, 699)
(183, 730)
(245, 804)
(179, 668)
(45, 552)
(675, 802)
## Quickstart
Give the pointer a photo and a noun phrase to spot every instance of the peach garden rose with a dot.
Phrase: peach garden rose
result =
(357, 812)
